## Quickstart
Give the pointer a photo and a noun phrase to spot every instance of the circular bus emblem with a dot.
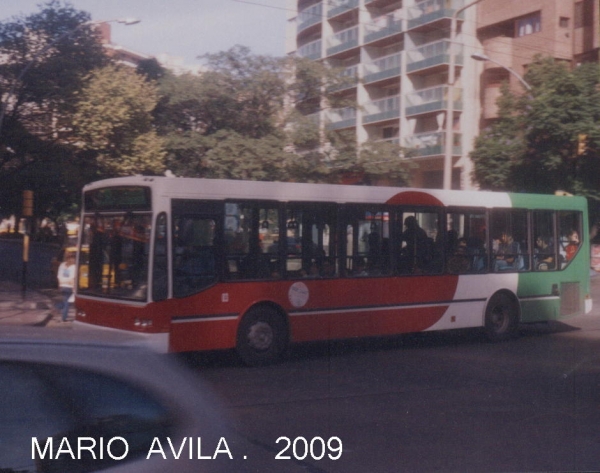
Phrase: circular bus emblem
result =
(298, 294)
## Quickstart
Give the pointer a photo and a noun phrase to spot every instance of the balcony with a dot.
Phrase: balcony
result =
(426, 14)
(339, 7)
(379, 3)
(310, 16)
(383, 27)
(339, 118)
(387, 108)
(342, 41)
(432, 57)
(392, 141)
(382, 68)
(349, 79)
(311, 50)
(433, 143)
(434, 99)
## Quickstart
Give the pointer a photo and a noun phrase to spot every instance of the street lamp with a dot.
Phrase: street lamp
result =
(11, 92)
(483, 57)
(448, 149)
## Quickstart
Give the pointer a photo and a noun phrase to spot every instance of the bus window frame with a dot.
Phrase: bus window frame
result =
(256, 205)
(204, 209)
(555, 240)
(321, 210)
(398, 227)
(485, 212)
(527, 257)
(345, 213)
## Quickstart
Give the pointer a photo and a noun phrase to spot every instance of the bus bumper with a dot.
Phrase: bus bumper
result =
(588, 304)
(158, 342)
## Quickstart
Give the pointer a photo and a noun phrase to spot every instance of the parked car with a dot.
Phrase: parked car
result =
(72, 401)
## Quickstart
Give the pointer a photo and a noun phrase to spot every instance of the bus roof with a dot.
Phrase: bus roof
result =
(220, 189)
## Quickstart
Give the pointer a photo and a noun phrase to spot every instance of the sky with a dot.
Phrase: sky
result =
(182, 28)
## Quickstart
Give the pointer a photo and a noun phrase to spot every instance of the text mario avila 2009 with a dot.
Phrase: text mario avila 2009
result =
(117, 448)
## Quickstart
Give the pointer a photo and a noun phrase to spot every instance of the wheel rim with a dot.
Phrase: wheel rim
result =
(500, 319)
(260, 336)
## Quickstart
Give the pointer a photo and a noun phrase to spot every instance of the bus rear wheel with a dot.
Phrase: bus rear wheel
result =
(501, 317)
(262, 336)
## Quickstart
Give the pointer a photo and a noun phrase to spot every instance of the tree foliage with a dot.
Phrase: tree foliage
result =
(46, 56)
(533, 145)
(113, 119)
(70, 116)
(45, 59)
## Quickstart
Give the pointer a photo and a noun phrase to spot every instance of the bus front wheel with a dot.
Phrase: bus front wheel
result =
(501, 317)
(262, 336)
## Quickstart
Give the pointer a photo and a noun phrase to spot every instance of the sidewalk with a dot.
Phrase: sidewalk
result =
(35, 309)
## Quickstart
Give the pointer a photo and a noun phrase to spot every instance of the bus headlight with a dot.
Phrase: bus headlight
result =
(142, 323)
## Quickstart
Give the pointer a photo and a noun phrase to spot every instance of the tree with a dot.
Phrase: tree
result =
(113, 119)
(45, 59)
(233, 156)
(533, 145)
(498, 147)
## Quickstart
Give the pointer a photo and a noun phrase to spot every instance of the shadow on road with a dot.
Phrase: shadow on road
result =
(347, 347)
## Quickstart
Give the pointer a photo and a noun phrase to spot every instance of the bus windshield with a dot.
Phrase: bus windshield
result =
(113, 260)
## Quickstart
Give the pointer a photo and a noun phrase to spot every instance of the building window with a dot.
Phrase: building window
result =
(529, 24)
(563, 22)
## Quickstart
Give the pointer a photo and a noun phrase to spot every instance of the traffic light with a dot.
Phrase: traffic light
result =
(581, 144)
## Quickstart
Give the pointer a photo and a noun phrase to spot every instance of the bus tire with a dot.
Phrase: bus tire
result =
(501, 317)
(262, 336)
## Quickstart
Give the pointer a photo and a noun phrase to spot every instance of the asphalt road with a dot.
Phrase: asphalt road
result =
(423, 403)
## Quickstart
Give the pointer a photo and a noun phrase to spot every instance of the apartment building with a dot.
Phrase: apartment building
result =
(417, 82)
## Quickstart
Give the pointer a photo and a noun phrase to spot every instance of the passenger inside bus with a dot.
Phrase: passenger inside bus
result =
(417, 248)
(544, 254)
(359, 267)
(572, 246)
(459, 262)
(328, 268)
(194, 263)
(508, 256)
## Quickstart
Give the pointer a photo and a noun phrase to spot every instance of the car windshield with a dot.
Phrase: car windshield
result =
(113, 260)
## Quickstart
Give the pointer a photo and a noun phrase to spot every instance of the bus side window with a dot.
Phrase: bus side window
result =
(251, 241)
(311, 241)
(160, 278)
(545, 251)
(194, 258)
(465, 242)
(570, 231)
(510, 241)
(367, 241)
(420, 242)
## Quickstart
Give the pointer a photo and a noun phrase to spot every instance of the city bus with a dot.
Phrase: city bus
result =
(203, 264)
